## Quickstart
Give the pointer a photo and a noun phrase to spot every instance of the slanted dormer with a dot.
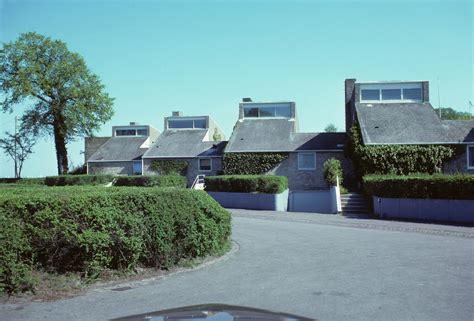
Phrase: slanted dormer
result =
(179, 122)
(134, 130)
(391, 92)
(259, 110)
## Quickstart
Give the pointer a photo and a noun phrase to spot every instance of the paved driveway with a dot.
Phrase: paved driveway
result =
(324, 267)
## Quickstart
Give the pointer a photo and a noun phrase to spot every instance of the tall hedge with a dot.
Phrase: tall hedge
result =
(396, 159)
(332, 169)
(267, 184)
(251, 163)
(88, 229)
(437, 186)
(67, 180)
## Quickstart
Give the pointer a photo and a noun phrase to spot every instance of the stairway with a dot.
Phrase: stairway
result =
(354, 203)
(198, 182)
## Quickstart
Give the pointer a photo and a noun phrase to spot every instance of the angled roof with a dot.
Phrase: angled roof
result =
(182, 143)
(278, 135)
(400, 123)
(120, 149)
(461, 131)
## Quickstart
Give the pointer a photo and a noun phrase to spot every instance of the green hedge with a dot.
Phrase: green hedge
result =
(89, 229)
(436, 186)
(23, 181)
(148, 181)
(66, 180)
(169, 167)
(332, 169)
(251, 163)
(267, 184)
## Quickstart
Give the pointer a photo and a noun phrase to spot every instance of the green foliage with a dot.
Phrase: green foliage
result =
(18, 146)
(251, 163)
(420, 186)
(449, 113)
(65, 99)
(267, 184)
(23, 181)
(15, 256)
(65, 180)
(78, 170)
(89, 229)
(332, 169)
(149, 181)
(396, 159)
(216, 136)
(331, 128)
(169, 167)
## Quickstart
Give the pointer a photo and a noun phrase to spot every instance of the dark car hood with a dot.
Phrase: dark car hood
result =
(213, 312)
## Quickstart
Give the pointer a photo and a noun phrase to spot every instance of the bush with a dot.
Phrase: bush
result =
(267, 184)
(23, 181)
(89, 229)
(332, 169)
(66, 180)
(436, 186)
(78, 170)
(169, 167)
(148, 181)
(251, 163)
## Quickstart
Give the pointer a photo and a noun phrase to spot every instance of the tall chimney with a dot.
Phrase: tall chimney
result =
(247, 100)
(176, 114)
(349, 86)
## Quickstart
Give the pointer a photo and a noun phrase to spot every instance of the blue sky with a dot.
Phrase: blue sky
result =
(202, 57)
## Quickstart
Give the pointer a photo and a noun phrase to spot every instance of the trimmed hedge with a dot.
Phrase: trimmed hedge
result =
(267, 184)
(89, 229)
(169, 167)
(66, 180)
(251, 163)
(23, 181)
(148, 181)
(436, 186)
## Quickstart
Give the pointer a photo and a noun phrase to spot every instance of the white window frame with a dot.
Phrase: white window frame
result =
(199, 164)
(467, 155)
(307, 168)
(401, 86)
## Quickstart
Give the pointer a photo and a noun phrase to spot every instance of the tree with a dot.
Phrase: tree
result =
(449, 113)
(331, 128)
(18, 147)
(64, 99)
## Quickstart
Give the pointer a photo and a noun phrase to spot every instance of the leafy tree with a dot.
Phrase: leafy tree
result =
(18, 147)
(331, 128)
(449, 113)
(63, 98)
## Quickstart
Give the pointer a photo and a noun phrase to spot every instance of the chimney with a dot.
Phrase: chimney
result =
(176, 114)
(349, 86)
(132, 123)
(247, 100)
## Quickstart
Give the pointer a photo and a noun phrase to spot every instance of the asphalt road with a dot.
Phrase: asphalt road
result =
(327, 268)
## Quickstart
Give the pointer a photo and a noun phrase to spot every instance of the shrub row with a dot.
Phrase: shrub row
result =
(23, 181)
(251, 163)
(148, 181)
(66, 180)
(267, 184)
(89, 229)
(420, 186)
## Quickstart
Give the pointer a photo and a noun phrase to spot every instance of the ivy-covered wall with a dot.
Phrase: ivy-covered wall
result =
(396, 159)
(169, 167)
(251, 163)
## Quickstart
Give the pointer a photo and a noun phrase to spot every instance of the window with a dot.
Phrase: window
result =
(272, 110)
(391, 94)
(205, 164)
(187, 123)
(370, 94)
(412, 94)
(125, 132)
(137, 167)
(306, 161)
(142, 132)
(470, 157)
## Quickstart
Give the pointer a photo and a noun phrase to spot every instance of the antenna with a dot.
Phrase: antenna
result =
(439, 101)
(470, 105)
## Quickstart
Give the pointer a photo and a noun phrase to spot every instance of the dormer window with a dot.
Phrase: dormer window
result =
(391, 92)
(267, 110)
(131, 132)
(187, 123)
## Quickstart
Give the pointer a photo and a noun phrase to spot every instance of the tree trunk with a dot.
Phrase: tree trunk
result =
(60, 142)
